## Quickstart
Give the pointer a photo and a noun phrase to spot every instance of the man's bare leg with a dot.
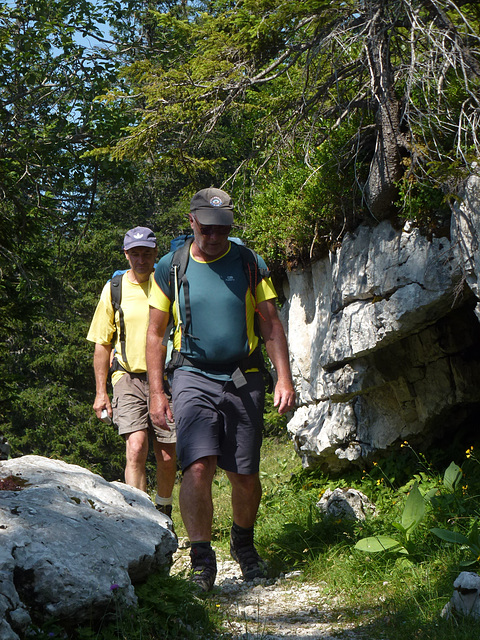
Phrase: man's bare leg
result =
(166, 467)
(197, 512)
(246, 495)
(136, 454)
(196, 499)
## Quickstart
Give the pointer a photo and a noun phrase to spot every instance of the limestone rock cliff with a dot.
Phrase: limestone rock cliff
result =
(384, 339)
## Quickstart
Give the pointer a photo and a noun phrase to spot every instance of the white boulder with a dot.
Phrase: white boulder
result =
(71, 542)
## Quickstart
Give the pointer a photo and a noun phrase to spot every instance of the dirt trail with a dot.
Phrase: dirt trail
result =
(284, 607)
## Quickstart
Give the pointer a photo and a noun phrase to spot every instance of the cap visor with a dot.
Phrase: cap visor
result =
(132, 245)
(214, 216)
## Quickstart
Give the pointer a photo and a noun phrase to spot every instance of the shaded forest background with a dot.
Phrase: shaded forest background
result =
(315, 116)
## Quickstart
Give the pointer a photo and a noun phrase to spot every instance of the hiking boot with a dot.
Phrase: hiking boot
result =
(204, 567)
(165, 509)
(243, 551)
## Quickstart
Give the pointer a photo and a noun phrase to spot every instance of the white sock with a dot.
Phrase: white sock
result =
(163, 502)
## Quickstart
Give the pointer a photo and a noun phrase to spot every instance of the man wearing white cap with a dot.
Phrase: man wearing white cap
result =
(129, 406)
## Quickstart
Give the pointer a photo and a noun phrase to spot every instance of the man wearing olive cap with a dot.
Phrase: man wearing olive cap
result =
(217, 388)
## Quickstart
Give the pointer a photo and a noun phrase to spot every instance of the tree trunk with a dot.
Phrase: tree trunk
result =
(386, 166)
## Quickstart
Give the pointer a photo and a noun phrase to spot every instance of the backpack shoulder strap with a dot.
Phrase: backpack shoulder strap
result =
(255, 275)
(178, 268)
(116, 290)
(179, 262)
(116, 295)
(253, 272)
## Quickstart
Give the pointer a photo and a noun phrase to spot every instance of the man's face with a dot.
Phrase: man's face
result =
(212, 240)
(141, 259)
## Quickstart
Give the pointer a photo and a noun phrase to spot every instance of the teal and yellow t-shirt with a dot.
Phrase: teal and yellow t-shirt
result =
(135, 309)
(222, 307)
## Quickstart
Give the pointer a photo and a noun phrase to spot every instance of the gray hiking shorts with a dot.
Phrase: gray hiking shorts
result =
(214, 418)
(130, 408)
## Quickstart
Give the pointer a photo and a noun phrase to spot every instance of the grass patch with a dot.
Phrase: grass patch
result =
(169, 609)
(384, 596)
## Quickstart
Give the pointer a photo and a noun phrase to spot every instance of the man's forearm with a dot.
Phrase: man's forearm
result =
(101, 366)
(275, 340)
(277, 350)
(155, 353)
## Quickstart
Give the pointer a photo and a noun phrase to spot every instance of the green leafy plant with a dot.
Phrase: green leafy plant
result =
(413, 513)
(452, 480)
(449, 502)
(472, 542)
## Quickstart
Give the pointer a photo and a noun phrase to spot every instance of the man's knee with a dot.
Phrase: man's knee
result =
(201, 470)
(247, 483)
(165, 453)
(137, 446)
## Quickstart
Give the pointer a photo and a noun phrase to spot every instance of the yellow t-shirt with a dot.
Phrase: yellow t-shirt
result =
(136, 314)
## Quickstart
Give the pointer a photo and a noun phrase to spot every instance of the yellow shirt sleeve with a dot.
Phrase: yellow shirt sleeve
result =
(157, 298)
(102, 327)
(135, 308)
(266, 290)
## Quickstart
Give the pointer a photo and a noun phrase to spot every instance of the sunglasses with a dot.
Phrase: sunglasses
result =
(210, 229)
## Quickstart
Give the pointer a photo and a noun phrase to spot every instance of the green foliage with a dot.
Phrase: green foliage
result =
(470, 541)
(298, 205)
(414, 512)
(173, 603)
(412, 515)
(245, 94)
(452, 478)
(448, 501)
(168, 608)
(48, 80)
(454, 507)
(420, 200)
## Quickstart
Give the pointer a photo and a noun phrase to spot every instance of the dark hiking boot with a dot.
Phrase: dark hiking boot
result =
(204, 567)
(165, 509)
(243, 551)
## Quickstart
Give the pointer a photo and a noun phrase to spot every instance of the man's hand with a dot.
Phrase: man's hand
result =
(102, 401)
(277, 349)
(160, 411)
(284, 396)
(101, 365)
